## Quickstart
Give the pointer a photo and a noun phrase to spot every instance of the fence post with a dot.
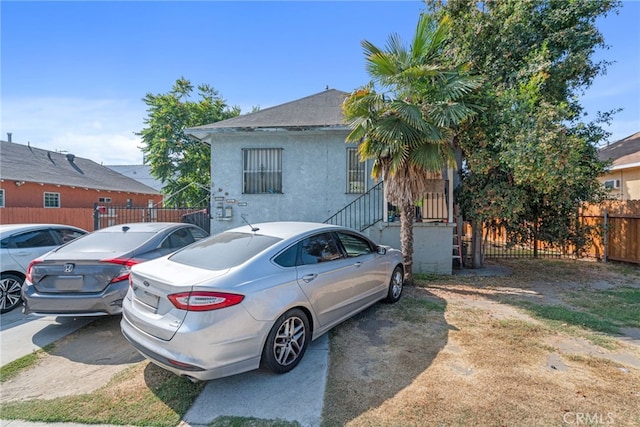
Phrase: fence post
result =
(96, 217)
(605, 241)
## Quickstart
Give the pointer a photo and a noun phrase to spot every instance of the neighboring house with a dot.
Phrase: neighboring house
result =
(141, 173)
(35, 178)
(623, 177)
(291, 162)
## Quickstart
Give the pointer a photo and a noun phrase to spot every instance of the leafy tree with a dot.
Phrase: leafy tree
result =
(182, 163)
(529, 159)
(405, 125)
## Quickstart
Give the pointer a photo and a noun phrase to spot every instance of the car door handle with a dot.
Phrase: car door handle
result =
(309, 277)
(357, 264)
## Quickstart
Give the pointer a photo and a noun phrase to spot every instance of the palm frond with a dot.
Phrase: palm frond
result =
(406, 131)
(433, 157)
(448, 114)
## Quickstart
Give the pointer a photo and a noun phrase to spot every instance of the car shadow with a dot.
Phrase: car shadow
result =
(98, 343)
(378, 353)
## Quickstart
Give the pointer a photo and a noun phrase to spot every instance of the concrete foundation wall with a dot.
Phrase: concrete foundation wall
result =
(432, 244)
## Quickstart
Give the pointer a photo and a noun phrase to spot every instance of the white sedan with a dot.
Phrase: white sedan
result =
(254, 296)
(19, 245)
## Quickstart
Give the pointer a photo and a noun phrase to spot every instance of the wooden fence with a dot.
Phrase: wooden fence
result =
(79, 217)
(618, 225)
(615, 235)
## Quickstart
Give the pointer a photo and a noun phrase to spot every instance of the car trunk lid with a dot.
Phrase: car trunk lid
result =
(147, 305)
(78, 276)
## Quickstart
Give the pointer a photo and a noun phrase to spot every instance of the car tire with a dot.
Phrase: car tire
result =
(395, 285)
(10, 291)
(287, 342)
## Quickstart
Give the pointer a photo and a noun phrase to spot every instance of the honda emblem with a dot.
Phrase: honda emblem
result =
(68, 268)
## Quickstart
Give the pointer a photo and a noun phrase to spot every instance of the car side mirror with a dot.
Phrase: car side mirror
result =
(382, 250)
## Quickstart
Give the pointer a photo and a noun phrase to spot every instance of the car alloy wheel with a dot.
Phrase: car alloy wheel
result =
(395, 285)
(287, 342)
(10, 292)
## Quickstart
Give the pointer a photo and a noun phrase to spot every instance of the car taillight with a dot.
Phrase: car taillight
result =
(203, 300)
(126, 264)
(30, 268)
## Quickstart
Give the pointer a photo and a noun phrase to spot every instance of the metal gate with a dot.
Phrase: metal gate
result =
(107, 215)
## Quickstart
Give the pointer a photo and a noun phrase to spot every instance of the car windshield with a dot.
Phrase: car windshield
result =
(224, 250)
(107, 242)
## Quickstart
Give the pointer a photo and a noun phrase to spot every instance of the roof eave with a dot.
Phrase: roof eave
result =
(202, 134)
(625, 166)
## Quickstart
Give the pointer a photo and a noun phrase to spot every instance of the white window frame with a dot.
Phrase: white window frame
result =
(356, 172)
(612, 184)
(262, 170)
(50, 199)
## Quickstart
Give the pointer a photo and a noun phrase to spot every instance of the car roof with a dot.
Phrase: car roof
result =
(143, 227)
(286, 229)
(6, 229)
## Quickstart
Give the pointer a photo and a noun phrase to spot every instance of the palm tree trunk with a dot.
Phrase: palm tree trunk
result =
(406, 240)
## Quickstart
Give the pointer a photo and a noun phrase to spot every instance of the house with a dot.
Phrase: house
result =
(623, 177)
(141, 173)
(291, 162)
(43, 184)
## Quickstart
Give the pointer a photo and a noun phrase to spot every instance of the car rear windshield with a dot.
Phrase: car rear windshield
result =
(224, 250)
(107, 242)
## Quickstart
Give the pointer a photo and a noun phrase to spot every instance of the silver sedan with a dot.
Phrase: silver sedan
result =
(254, 296)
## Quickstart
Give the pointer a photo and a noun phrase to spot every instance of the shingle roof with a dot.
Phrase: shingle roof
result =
(141, 173)
(321, 110)
(25, 163)
(623, 152)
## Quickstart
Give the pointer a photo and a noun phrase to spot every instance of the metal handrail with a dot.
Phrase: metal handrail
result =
(363, 212)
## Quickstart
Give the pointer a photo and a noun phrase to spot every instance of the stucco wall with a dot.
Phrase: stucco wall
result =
(314, 173)
(314, 165)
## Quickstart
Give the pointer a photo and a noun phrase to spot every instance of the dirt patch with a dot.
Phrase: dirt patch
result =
(78, 364)
(492, 364)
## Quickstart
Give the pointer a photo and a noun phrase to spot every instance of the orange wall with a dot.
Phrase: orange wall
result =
(32, 195)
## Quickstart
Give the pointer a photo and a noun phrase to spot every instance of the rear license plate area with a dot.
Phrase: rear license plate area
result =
(147, 298)
(67, 283)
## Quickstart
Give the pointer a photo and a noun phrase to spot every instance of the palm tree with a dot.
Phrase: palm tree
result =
(406, 127)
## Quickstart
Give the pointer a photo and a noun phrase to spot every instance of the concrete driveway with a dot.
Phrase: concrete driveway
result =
(22, 334)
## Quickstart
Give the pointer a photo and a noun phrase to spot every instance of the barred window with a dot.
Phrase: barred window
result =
(51, 200)
(355, 172)
(262, 170)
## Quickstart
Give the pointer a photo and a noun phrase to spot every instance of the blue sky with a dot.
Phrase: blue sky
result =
(74, 73)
